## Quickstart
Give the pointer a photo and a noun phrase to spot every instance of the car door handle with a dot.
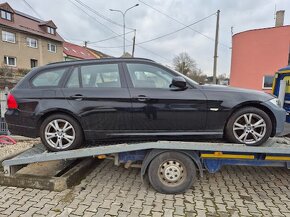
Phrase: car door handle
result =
(142, 98)
(77, 97)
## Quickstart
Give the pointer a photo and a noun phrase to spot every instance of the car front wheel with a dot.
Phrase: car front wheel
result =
(250, 126)
(60, 132)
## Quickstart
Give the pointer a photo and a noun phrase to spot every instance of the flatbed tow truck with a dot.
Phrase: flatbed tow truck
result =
(171, 166)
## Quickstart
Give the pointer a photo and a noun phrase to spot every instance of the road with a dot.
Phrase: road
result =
(115, 191)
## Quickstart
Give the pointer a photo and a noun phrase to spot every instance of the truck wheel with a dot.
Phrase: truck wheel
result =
(171, 172)
(60, 132)
(250, 126)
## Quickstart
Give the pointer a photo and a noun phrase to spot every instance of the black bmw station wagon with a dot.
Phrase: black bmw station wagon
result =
(70, 103)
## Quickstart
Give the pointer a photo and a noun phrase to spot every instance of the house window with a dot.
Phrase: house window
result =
(268, 81)
(51, 47)
(8, 37)
(10, 61)
(31, 42)
(50, 30)
(33, 63)
(6, 15)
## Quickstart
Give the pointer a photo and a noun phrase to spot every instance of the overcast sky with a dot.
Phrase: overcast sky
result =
(77, 26)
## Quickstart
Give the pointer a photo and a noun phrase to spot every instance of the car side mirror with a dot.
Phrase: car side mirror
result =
(178, 82)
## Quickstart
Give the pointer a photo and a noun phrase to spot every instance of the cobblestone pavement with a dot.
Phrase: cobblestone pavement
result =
(115, 191)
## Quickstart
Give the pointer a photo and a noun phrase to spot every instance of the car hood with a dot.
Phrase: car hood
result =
(246, 93)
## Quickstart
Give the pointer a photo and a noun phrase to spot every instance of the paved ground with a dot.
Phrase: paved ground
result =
(115, 191)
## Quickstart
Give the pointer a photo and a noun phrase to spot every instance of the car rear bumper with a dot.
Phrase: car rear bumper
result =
(22, 124)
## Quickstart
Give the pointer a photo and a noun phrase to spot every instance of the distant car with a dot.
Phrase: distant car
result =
(70, 103)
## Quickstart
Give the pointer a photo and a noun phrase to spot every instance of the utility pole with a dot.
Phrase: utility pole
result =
(86, 43)
(216, 47)
(134, 42)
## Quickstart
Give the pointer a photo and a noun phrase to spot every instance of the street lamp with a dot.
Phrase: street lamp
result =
(124, 24)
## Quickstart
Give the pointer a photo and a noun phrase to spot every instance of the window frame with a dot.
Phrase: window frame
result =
(28, 42)
(50, 30)
(7, 57)
(6, 14)
(49, 47)
(121, 74)
(263, 82)
(31, 60)
(61, 81)
(131, 85)
(5, 40)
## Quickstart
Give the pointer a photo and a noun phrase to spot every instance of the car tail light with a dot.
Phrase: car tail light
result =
(11, 102)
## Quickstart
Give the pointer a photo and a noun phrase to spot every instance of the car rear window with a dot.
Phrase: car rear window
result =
(49, 78)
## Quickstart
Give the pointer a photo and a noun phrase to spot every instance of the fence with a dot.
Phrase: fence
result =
(3, 107)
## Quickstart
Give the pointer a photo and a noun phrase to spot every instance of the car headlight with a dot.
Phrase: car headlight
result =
(276, 102)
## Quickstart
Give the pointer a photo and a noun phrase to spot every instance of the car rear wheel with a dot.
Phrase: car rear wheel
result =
(60, 132)
(171, 172)
(250, 126)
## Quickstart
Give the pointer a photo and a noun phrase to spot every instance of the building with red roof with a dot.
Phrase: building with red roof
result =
(76, 52)
(27, 41)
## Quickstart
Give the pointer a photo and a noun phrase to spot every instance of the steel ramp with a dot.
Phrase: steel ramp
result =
(39, 153)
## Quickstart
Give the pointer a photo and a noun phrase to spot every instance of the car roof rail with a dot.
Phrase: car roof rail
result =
(105, 58)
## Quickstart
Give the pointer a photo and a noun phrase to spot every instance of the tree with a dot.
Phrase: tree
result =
(184, 64)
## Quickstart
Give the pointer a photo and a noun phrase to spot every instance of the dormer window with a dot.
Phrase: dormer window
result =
(6, 15)
(50, 30)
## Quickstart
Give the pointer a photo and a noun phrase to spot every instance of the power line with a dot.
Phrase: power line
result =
(106, 39)
(170, 33)
(172, 18)
(34, 11)
(99, 14)
(95, 18)
(118, 35)
(178, 30)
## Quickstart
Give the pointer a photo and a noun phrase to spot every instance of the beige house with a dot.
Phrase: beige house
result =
(26, 41)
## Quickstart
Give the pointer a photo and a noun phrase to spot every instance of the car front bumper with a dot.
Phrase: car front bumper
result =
(280, 116)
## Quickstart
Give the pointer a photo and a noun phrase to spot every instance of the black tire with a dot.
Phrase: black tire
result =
(76, 128)
(232, 136)
(156, 175)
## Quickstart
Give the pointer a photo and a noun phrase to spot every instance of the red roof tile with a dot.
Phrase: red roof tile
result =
(27, 23)
(77, 51)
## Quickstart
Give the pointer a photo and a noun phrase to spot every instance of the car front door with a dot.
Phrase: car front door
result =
(157, 108)
(100, 97)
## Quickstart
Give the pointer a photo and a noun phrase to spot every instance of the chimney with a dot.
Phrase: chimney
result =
(279, 18)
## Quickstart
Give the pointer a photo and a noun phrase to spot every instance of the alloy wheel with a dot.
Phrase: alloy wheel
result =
(249, 128)
(59, 134)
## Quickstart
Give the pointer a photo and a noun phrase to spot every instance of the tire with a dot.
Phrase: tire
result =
(180, 164)
(70, 138)
(253, 130)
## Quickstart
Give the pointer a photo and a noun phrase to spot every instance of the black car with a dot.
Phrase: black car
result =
(70, 103)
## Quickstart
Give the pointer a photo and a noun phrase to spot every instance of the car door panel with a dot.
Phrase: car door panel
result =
(167, 110)
(156, 107)
(103, 110)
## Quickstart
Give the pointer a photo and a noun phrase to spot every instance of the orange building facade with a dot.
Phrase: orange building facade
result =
(257, 55)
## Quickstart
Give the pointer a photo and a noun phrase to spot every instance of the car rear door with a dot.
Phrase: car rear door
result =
(157, 108)
(100, 97)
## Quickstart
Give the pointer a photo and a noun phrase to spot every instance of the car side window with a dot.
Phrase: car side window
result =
(73, 81)
(100, 75)
(148, 76)
(50, 78)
